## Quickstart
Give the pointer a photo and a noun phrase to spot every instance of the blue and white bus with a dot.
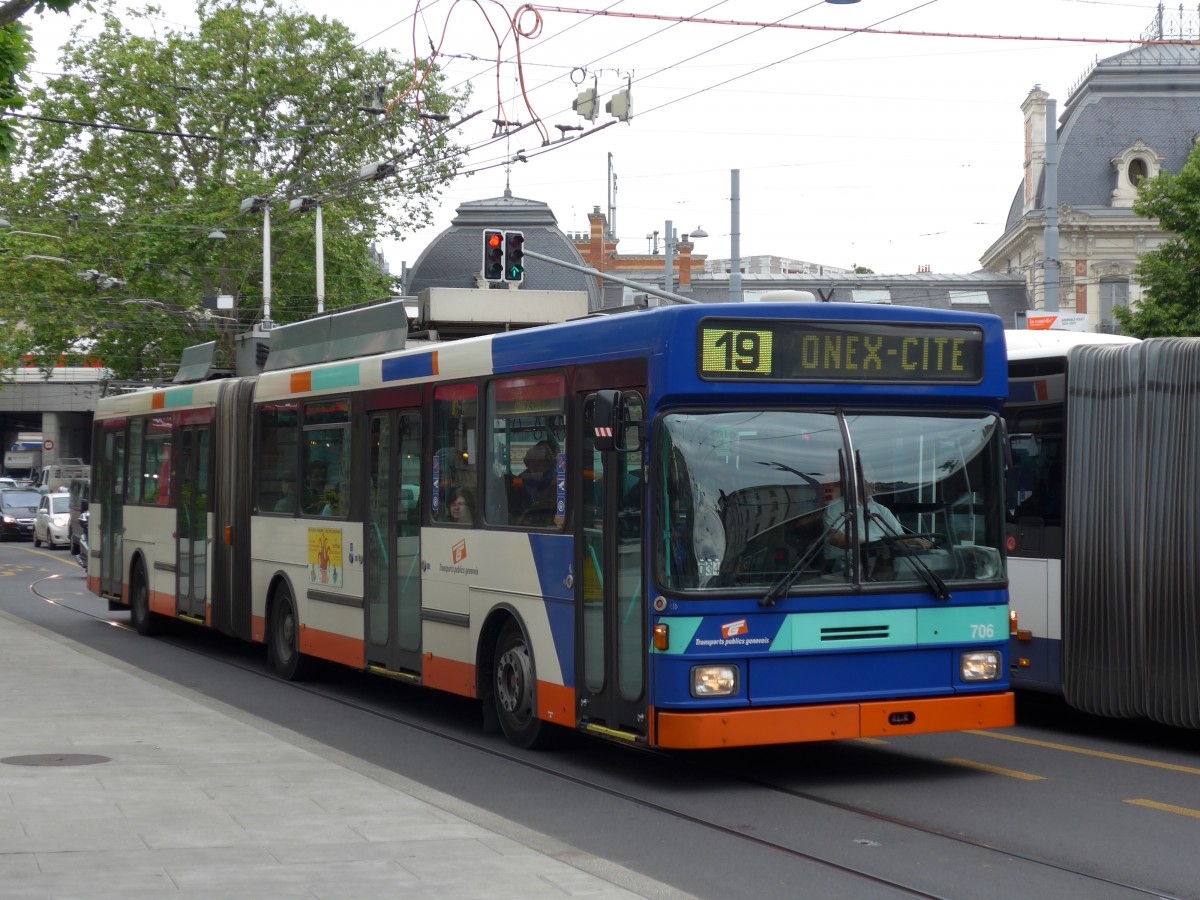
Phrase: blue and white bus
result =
(647, 526)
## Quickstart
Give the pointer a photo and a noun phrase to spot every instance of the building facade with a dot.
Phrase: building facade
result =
(1130, 117)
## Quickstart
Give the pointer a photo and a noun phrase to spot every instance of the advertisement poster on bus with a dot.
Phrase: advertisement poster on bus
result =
(325, 556)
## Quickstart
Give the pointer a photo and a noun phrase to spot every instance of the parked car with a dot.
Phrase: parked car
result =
(51, 520)
(7, 483)
(17, 510)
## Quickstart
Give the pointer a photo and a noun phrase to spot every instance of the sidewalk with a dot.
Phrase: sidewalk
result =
(115, 784)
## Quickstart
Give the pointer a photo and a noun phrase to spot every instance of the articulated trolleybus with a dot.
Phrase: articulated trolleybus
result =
(1103, 522)
(652, 527)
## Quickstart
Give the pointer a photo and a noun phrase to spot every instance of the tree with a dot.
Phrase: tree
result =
(16, 52)
(1170, 273)
(146, 145)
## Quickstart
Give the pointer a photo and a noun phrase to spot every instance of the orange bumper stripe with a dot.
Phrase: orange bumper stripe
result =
(448, 675)
(757, 727)
(334, 647)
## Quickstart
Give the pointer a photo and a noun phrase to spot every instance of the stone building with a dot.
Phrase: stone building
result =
(1130, 117)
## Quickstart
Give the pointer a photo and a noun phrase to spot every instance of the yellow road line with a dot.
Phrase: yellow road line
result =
(869, 740)
(995, 770)
(1067, 748)
(1167, 807)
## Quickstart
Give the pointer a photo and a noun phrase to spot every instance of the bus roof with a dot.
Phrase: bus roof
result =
(1024, 344)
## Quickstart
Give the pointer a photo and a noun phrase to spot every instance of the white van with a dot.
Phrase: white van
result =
(59, 474)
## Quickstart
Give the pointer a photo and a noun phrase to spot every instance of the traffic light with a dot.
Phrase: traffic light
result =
(514, 256)
(493, 255)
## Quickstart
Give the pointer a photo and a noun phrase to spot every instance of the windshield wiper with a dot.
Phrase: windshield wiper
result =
(780, 588)
(937, 586)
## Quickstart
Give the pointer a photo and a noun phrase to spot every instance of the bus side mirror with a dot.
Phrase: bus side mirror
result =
(614, 427)
(609, 430)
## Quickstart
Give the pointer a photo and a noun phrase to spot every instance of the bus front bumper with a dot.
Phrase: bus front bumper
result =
(832, 721)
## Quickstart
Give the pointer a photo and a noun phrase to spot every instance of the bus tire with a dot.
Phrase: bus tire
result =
(144, 621)
(514, 690)
(283, 637)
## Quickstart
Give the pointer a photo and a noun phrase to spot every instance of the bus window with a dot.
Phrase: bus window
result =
(526, 451)
(1036, 478)
(156, 462)
(133, 487)
(326, 487)
(454, 452)
(278, 457)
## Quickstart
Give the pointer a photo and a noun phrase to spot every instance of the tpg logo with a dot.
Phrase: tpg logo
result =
(733, 629)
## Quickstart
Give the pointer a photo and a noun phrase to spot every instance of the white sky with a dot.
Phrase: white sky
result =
(888, 151)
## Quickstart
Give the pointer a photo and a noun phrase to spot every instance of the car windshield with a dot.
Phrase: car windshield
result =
(60, 503)
(755, 500)
(26, 501)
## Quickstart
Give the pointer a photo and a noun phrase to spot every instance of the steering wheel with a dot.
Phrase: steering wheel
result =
(901, 544)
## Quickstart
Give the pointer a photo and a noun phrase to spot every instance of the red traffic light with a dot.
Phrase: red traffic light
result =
(493, 255)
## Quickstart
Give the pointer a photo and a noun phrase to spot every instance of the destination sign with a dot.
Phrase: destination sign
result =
(877, 352)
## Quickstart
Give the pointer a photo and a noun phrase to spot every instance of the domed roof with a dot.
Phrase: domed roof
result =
(1150, 93)
(455, 257)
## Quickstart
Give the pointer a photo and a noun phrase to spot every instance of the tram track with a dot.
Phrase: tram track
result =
(738, 832)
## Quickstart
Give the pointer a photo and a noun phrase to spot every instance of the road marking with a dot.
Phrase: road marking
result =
(870, 740)
(995, 770)
(1067, 748)
(1167, 807)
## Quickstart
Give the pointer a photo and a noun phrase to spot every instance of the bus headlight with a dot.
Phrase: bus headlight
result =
(714, 681)
(979, 665)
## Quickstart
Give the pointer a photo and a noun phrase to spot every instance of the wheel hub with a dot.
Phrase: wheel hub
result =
(513, 685)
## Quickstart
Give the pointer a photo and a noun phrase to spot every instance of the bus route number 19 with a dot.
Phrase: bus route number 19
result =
(729, 352)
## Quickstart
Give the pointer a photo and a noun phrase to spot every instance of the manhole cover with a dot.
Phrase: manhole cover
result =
(56, 759)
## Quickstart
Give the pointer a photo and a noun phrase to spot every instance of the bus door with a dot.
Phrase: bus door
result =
(610, 602)
(110, 491)
(191, 521)
(393, 542)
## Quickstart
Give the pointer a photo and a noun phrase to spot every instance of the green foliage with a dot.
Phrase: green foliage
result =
(1170, 273)
(15, 53)
(260, 100)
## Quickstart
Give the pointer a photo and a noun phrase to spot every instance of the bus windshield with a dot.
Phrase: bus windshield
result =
(745, 499)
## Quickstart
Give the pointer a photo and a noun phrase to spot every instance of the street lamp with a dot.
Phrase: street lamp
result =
(377, 170)
(263, 204)
(300, 205)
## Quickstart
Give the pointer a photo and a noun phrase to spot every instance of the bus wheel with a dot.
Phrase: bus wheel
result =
(141, 618)
(514, 691)
(283, 637)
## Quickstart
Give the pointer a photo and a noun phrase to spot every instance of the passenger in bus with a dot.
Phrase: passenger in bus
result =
(287, 496)
(538, 495)
(462, 508)
(878, 522)
(316, 491)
